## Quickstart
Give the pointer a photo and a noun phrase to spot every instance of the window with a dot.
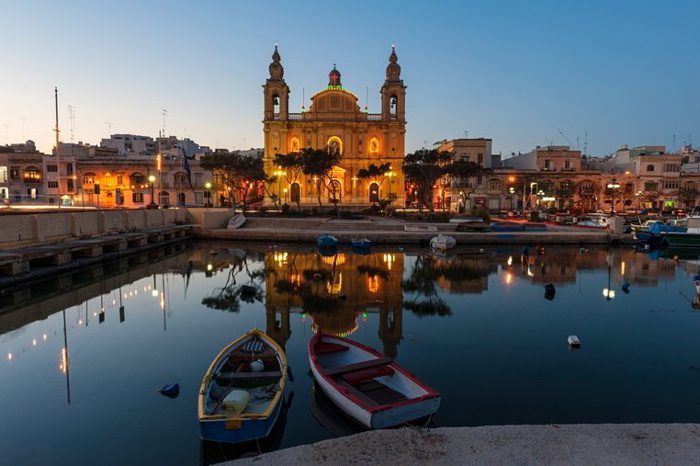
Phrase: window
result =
(69, 169)
(31, 175)
(548, 165)
(164, 198)
(88, 178)
(651, 186)
(53, 184)
(671, 184)
(393, 106)
(199, 198)
(294, 145)
(198, 180)
(629, 188)
(671, 167)
(52, 168)
(137, 198)
(3, 174)
(480, 159)
(494, 185)
(567, 164)
(181, 199)
(14, 173)
(32, 193)
(137, 179)
(335, 144)
(650, 168)
(180, 179)
(374, 192)
(70, 185)
(120, 180)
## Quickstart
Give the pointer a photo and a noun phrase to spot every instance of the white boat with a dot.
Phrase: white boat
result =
(442, 242)
(236, 221)
(368, 386)
(594, 220)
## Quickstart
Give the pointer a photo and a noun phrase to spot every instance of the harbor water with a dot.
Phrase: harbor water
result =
(84, 355)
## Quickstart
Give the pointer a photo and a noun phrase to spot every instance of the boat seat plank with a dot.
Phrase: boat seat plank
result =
(325, 348)
(357, 393)
(358, 366)
(364, 375)
(248, 375)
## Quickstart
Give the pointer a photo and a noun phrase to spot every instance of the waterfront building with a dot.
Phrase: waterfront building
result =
(130, 144)
(477, 150)
(335, 121)
(21, 176)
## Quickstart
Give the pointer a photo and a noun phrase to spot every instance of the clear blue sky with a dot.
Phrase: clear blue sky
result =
(514, 71)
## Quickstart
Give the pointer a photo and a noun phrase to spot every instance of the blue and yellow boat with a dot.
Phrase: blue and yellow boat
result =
(241, 394)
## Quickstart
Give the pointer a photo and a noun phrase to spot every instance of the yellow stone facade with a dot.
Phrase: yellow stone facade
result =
(334, 119)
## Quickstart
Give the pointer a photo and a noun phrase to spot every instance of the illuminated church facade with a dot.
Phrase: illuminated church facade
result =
(335, 121)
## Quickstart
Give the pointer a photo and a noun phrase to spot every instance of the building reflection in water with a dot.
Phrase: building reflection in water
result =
(334, 291)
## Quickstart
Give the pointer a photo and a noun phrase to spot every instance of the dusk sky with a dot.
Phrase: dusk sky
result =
(515, 71)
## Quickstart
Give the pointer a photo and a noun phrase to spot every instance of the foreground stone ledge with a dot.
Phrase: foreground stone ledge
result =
(583, 444)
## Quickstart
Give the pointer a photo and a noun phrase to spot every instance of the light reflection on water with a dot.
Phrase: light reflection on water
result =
(86, 353)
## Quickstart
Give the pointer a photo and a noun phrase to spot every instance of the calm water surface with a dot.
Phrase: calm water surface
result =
(475, 325)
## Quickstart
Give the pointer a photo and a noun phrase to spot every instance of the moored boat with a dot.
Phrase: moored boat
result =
(327, 241)
(240, 395)
(368, 386)
(362, 243)
(443, 242)
(236, 221)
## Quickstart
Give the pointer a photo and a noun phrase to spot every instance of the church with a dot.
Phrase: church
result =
(335, 121)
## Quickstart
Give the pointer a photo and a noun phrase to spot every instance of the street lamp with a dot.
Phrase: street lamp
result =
(613, 186)
(207, 194)
(390, 174)
(285, 191)
(151, 180)
(279, 173)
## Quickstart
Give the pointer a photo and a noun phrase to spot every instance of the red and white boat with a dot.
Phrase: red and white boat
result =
(368, 386)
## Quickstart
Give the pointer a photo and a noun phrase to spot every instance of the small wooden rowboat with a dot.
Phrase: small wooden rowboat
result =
(443, 242)
(236, 222)
(240, 395)
(368, 386)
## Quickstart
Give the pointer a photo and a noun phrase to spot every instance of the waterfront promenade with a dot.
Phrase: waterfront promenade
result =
(577, 444)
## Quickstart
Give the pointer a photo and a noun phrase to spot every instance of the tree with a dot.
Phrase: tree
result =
(461, 174)
(688, 194)
(566, 191)
(237, 173)
(293, 167)
(319, 164)
(424, 168)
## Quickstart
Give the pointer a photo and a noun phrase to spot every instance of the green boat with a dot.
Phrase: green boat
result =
(688, 239)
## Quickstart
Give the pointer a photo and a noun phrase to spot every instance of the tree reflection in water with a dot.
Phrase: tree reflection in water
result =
(229, 297)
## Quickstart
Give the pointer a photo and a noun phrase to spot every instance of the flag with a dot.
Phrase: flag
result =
(186, 167)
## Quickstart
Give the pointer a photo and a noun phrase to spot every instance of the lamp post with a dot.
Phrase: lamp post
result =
(613, 186)
(285, 191)
(279, 173)
(207, 194)
(390, 174)
(151, 180)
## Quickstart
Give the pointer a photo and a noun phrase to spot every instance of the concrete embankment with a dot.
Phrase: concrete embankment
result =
(391, 231)
(583, 444)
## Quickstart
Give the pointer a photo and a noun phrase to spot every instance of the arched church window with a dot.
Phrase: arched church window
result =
(373, 146)
(393, 105)
(335, 145)
(276, 106)
(295, 192)
(374, 192)
(294, 145)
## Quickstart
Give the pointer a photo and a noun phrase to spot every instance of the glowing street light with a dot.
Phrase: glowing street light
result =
(151, 180)
(207, 194)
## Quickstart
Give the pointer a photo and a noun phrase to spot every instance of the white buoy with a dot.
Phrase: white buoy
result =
(573, 341)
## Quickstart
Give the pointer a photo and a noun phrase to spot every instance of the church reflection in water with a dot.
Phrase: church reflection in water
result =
(335, 291)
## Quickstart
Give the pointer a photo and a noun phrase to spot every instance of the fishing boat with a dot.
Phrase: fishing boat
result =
(684, 239)
(236, 221)
(653, 234)
(327, 241)
(507, 226)
(363, 243)
(443, 242)
(368, 386)
(240, 394)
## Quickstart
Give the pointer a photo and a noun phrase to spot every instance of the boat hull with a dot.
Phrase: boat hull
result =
(250, 429)
(682, 240)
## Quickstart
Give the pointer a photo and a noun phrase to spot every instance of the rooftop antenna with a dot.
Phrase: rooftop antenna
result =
(303, 100)
(466, 135)
(164, 113)
(366, 99)
(585, 143)
(71, 112)
(673, 148)
(690, 140)
(109, 128)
